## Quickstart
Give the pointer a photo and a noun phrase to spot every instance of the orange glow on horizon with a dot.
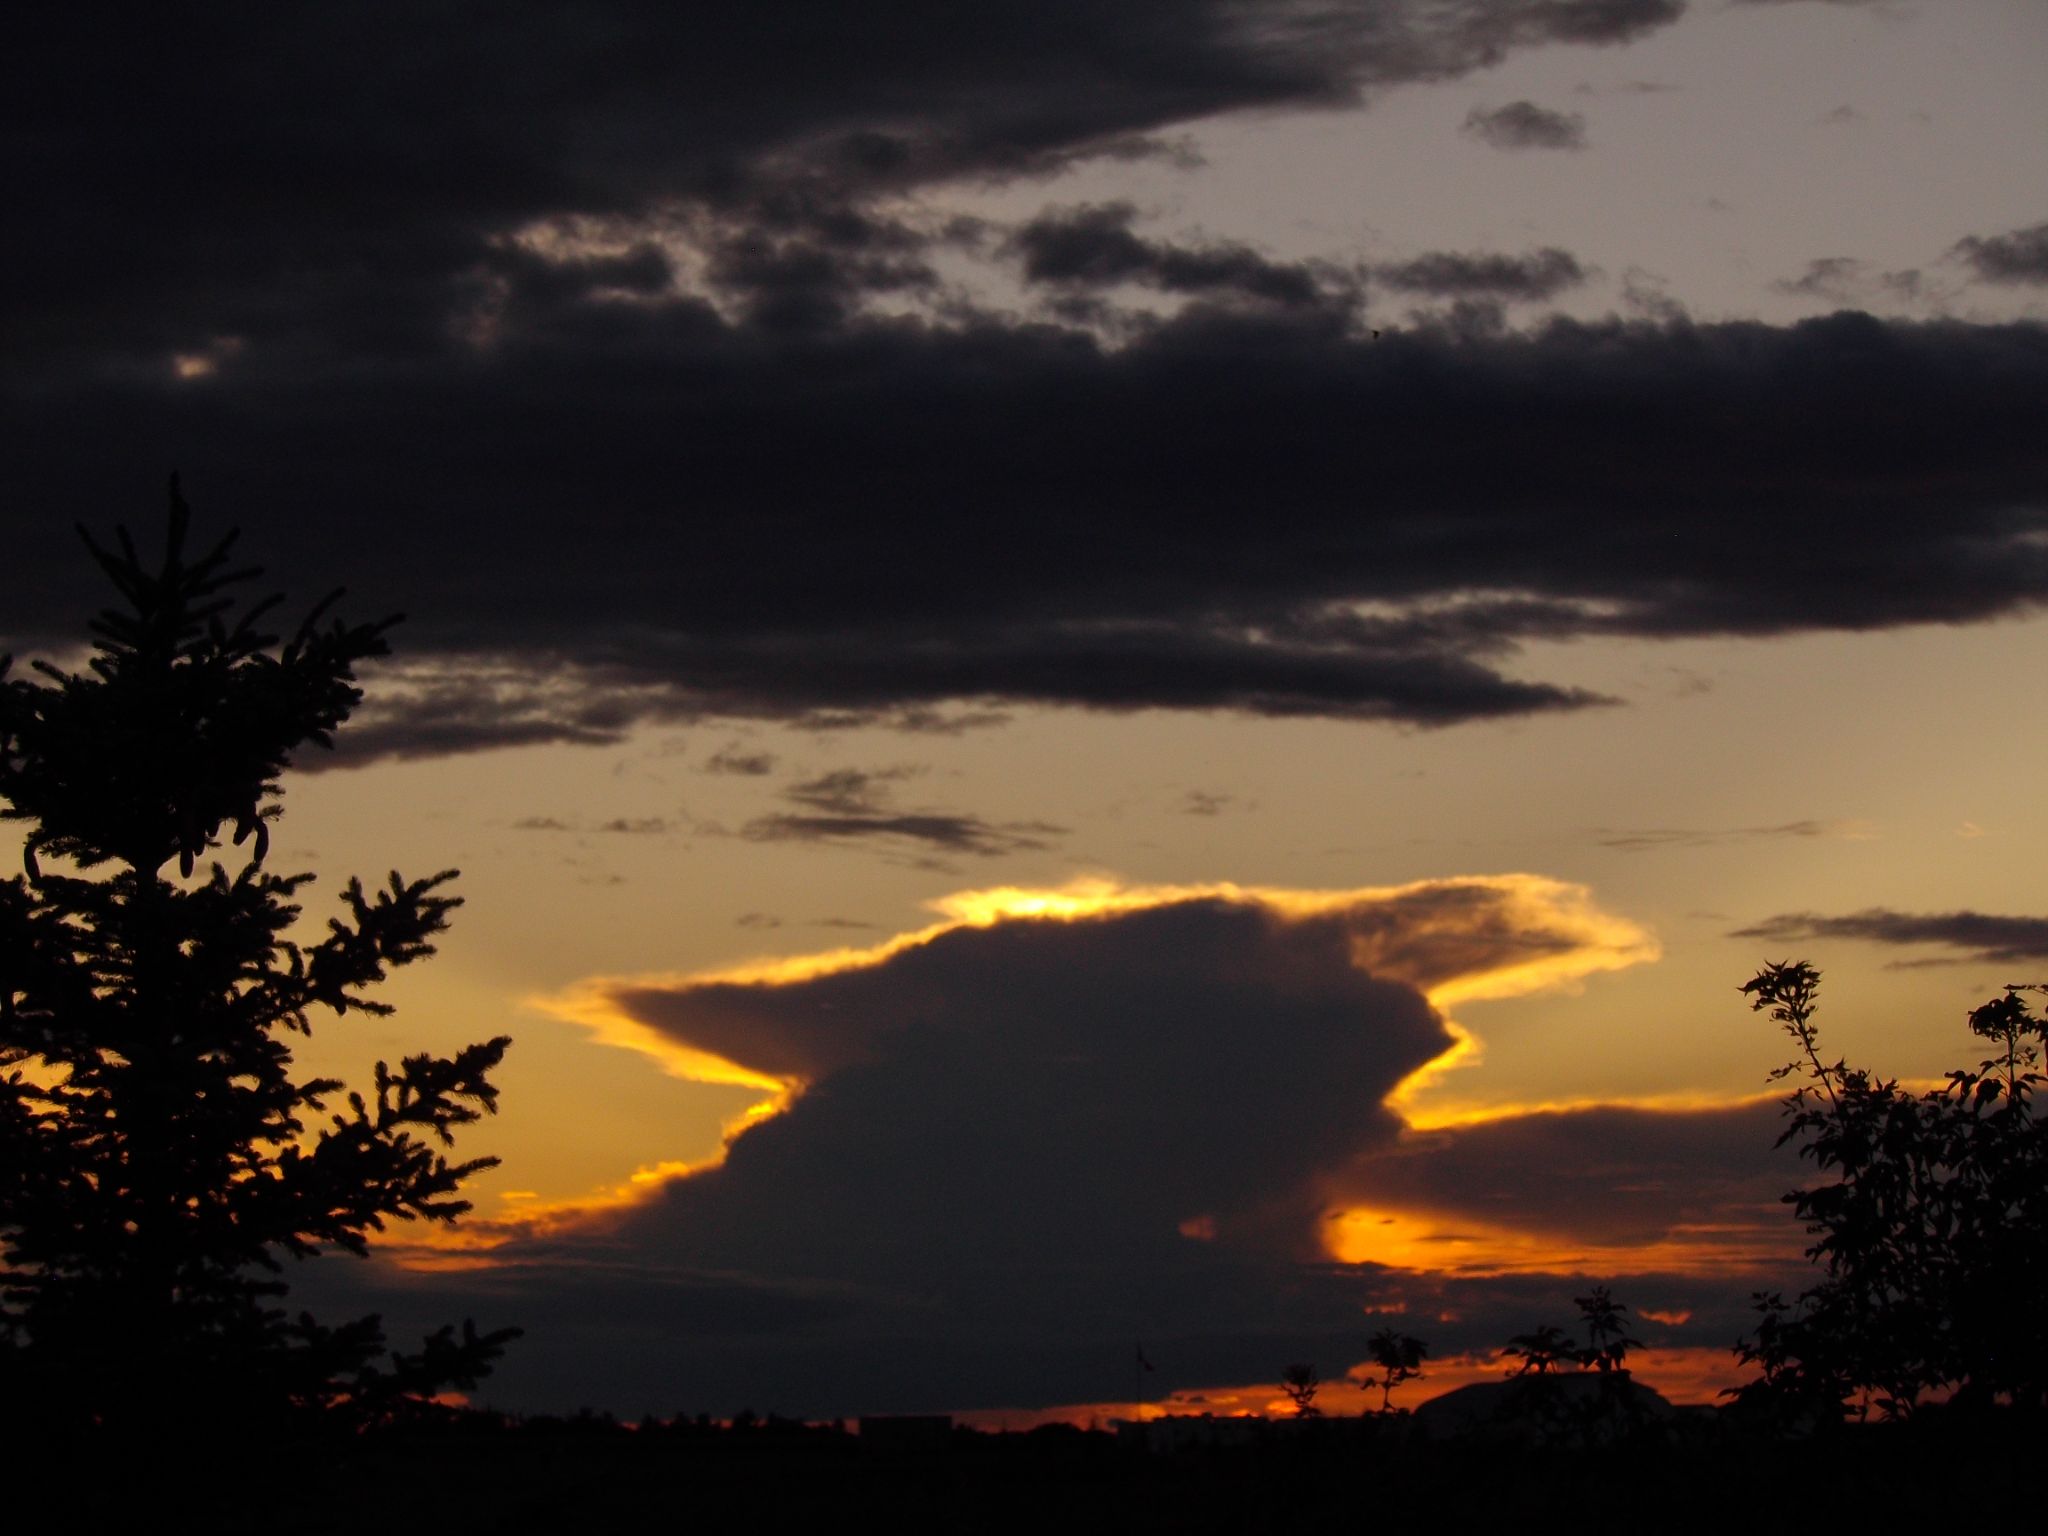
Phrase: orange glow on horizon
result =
(1689, 1374)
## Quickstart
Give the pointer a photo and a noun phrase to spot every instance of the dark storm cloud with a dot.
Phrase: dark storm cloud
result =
(849, 805)
(986, 1188)
(605, 523)
(351, 164)
(2018, 257)
(610, 348)
(1983, 936)
(979, 1197)
(1450, 274)
(1524, 125)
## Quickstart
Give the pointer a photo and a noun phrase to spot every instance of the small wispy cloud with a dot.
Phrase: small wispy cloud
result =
(1524, 125)
(1984, 937)
(632, 826)
(1848, 280)
(852, 805)
(730, 759)
(1639, 841)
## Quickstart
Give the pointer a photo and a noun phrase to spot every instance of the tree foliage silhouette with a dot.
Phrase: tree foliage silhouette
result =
(1542, 1350)
(1399, 1358)
(1931, 1235)
(1608, 1340)
(1301, 1384)
(156, 1159)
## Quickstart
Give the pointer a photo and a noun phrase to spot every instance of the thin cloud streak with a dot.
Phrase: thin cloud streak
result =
(1648, 839)
(849, 805)
(1982, 936)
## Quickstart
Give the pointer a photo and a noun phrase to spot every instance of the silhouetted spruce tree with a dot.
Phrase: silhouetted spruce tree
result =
(157, 1157)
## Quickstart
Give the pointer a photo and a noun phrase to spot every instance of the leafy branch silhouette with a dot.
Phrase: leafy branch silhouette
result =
(1931, 1235)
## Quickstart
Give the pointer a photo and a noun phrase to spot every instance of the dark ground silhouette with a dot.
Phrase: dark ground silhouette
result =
(479, 1474)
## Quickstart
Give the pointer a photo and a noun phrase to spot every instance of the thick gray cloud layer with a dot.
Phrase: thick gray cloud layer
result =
(683, 517)
(584, 341)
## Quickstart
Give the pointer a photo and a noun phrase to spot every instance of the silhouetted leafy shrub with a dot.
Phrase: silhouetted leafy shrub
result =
(1301, 1384)
(1398, 1358)
(1931, 1233)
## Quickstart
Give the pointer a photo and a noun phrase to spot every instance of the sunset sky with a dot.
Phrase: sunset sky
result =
(1104, 672)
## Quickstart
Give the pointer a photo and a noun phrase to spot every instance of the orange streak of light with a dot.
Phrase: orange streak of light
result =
(1423, 1242)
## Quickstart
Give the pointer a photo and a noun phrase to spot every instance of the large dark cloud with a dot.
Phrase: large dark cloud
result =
(1021, 1148)
(899, 1250)
(617, 349)
(981, 1190)
(1982, 936)
(236, 169)
(680, 516)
